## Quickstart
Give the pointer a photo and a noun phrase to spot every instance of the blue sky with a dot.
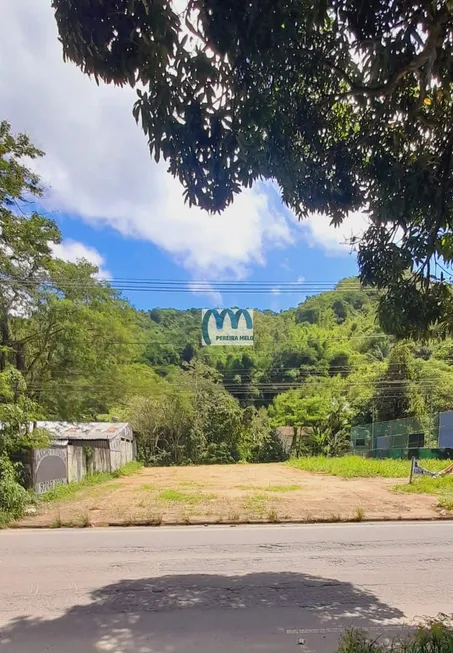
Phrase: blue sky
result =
(128, 257)
(122, 211)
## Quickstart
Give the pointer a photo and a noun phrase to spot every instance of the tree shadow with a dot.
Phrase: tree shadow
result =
(204, 613)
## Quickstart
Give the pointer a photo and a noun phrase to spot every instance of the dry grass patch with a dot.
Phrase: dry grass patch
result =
(235, 493)
(193, 484)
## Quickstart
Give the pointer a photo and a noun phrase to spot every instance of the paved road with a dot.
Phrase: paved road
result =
(203, 590)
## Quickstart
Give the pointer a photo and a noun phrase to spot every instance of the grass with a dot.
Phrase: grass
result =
(255, 503)
(428, 485)
(359, 514)
(79, 521)
(282, 488)
(442, 486)
(358, 467)
(334, 517)
(155, 519)
(57, 522)
(177, 496)
(435, 635)
(193, 484)
(128, 469)
(273, 517)
(446, 503)
(270, 488)
(63, 492)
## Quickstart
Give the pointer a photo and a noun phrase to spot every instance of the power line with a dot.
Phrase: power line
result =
(182, 286)
(395, 385)
(188, 282)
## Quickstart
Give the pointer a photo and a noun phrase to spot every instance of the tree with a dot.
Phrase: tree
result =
(330, 436)
(17, 435)
(347, 105)
(25, 240)
(293, 409)
(17, 414)
(75, 342)
(321, 420)
(395, 388)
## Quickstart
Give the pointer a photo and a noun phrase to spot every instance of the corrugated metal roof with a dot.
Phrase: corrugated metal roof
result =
(86, 430)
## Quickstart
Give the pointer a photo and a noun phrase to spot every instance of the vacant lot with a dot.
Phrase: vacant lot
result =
(218, 493)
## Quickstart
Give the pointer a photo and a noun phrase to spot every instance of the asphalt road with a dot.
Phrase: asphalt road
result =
(267, 589)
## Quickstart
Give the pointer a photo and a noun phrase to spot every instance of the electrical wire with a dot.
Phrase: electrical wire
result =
(188, 286)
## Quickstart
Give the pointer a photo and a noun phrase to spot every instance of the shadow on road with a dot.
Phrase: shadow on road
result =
(203, 613)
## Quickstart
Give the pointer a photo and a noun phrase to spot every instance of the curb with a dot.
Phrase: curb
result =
(231, 523)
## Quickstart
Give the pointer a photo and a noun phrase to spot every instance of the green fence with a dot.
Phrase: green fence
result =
(399, 438)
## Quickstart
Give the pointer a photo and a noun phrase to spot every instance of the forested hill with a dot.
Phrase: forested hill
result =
(331, 342)
(328, 334)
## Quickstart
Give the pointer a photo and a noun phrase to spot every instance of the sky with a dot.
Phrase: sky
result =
(123, 212)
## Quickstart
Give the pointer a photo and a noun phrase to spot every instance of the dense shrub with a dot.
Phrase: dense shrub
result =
(270, 450)
(435, 636)
(13, 497)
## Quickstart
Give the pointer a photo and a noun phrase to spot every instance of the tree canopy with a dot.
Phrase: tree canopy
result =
(346, 104)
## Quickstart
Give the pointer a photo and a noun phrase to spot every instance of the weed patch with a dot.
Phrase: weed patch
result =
(359, 514)
(177, 496)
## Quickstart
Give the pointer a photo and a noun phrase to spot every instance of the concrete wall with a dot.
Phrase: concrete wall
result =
(77, 468)
(88, 456)
(49, 468)
(101, 460)
(122, 449)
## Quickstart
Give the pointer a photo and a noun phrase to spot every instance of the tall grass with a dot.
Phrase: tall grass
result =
(442, 487)
(358, 467)
(433, 637)
(429, 485)
(62, 492)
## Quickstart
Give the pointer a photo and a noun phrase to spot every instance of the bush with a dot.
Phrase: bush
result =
(13, 497)
(217, 454)
(270, 450)
(434, 636)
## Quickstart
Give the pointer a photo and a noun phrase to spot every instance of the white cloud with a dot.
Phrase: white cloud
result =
(276, 291)
(98, 167)
(73, 251)
(318, 232)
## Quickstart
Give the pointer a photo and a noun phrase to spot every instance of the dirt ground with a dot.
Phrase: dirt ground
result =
(237, 493)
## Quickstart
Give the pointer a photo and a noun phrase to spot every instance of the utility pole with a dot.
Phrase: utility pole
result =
(373, 419)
